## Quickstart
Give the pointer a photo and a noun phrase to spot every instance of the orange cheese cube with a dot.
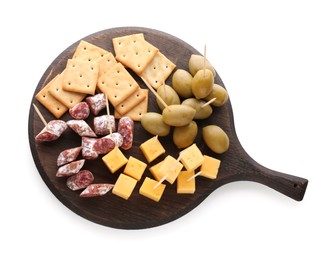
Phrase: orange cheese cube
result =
(191, 157)
(124, 186)
(135, 168)
(154, 171)
(170, 168)
(183, 185)
(152, 149)
(147, 189)
(114, 160)
(210, 166)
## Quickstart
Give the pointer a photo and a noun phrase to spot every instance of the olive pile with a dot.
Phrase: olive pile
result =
(196, 87)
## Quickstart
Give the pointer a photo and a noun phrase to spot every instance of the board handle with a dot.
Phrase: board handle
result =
(289, 185)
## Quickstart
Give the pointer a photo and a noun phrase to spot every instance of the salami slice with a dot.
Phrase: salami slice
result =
(80, 111)
(52, 131)
(107, 143)
(88, 151)
(104, 145)
(101, 124)
(81, 128)
(98, 189)
(126, 129)
(96, 103)
(68, 155)
(70, 168)
(80, 180)
(117, 138)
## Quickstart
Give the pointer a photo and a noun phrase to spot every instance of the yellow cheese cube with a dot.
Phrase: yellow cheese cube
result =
(170, 168)
(183, 185)
(154, 171)
(210, 166)
(124, 186)
(147, 189)
(152, 149)
(135, 168)
(191, 157)
(114, 160)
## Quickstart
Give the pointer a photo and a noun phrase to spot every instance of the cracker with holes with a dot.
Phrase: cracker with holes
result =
(88, 52)
(158, 70)
(69, 99)
(80, 76)
(134, 52)
(131, 101)
(117, 84)
(49, 102)
(106, 63)
(137, 111)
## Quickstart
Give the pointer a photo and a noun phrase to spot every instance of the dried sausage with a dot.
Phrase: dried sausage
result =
(52, 131)
(79, 111)
(98, 189)
(96, 103)
(107, 143)
(126, 129)
(81, 128)
(68, 155)
(80, 180)
(101, 124)
(70, 168)
(88, 151)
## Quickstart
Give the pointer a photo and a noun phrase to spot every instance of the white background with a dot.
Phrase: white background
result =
(271, 56)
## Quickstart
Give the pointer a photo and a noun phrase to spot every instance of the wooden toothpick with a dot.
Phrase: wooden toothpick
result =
(154, 92)
(108, 112)
(194, 176)
(40, 115)
(160, 182)
(209, 102)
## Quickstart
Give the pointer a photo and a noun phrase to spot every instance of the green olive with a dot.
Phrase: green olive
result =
(220, 94)
(196, 62)
(178, 115)
(181, 82)
(216, 139)
(201, 112)
(168, 94)
(153, 123)
(184, 136)
(202, 83)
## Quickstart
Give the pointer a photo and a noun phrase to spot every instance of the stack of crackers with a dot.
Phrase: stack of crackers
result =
(95, 70)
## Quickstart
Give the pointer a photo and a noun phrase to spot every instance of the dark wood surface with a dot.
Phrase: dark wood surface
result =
(140, 212)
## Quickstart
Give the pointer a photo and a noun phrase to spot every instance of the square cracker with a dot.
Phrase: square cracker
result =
(137, 112)
(158, 70)
(49, 102)
(80, 76)
(131, 101)
(69, 99)
(134, 52)
(117, 84)
(88, 52)
(106, 63)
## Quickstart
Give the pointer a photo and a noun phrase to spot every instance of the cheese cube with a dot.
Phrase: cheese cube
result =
(114, 160)
(191, 157)
(135, 168)
(124, 186)
(183, 185)
(152, 149)
(154, 171)
(210, 166)
(147, 189)
(170, 168)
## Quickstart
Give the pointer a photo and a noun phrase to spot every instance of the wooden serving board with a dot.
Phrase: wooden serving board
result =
(140, 212)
